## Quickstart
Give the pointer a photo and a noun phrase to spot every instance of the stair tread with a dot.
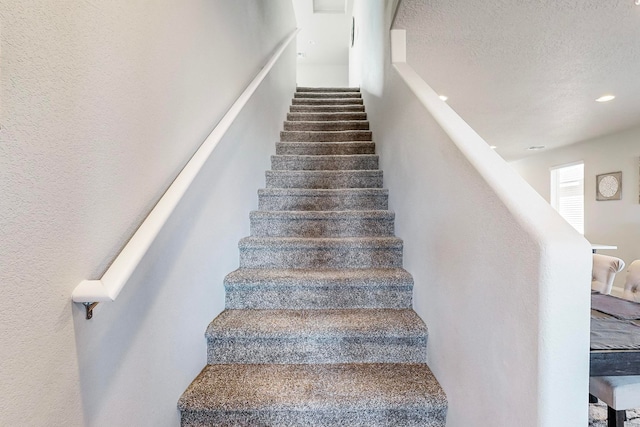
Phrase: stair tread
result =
(323, 122)
(328, 94)
(325, 156)
(337, 98)
(327, 116)
(325, 125)
(320, 192)
(314, 323)
(317, 132)
(327, 89)
(297, 108)
(328, 175)
(325, 135)
(328, 100)
(320, 277)
(340, 178)
(326, 172)
(324, 215)
(322, 199)
(261, 288)
(324, 162)
(309, 387)
(325, 148)
(321, 242)
(328, 143)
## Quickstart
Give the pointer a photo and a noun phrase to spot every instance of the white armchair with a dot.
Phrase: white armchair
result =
(632, 282)
(604, 271)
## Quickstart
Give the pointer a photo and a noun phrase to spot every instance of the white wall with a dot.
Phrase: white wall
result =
(102, 104)
(324, 41)
(509, 327)
(615, 222)
(319, 75)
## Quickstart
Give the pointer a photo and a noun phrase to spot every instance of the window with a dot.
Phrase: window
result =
(567, 193)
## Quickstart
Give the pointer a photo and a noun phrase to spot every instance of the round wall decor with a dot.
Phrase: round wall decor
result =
(609, 186)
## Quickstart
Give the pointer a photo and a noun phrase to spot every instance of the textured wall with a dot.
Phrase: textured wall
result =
(498, 274)
(525, 73)
(102, 103)
(611, 222)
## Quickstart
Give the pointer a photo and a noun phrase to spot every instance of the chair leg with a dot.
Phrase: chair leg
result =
(615, 418)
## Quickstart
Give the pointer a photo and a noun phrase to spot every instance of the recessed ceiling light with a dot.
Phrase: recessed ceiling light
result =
(536, 147)
(605, 98)
(637, 2)
(443, 97)
(493, 147)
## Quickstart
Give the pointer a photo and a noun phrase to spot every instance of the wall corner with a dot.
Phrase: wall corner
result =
(398, 46)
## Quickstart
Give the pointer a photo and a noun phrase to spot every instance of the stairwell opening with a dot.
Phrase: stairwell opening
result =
(324, 42)
(318, 327)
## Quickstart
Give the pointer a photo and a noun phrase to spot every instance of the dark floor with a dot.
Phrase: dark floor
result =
(598, 416)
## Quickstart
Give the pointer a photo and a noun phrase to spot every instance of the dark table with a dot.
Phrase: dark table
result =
(615, 336)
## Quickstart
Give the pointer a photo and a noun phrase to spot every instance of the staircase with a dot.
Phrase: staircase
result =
(318, 328)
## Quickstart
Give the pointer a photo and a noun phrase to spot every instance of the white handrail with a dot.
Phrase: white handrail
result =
(113, 280)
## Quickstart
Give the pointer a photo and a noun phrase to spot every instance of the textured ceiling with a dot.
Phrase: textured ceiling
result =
(324, 38)
(525, 73)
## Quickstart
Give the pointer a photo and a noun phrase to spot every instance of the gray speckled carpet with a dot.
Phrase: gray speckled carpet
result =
(598, 416)
(318, 328)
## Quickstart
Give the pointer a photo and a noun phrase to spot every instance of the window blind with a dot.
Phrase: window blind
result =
(567, 194)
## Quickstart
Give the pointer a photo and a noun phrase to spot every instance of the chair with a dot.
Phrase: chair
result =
(623, 392)
(604, 271)
(632, 282)
(619, 393)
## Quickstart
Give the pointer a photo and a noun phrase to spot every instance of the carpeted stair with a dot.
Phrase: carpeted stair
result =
(318, 328)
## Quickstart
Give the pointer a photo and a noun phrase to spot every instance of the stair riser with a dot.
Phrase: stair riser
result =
(326, 101)
(337, 136)
(326, 125)
(326, 108)
(327, 95)
(347, 417)
(264, 257)
(329, 297)
(366, 162)
(305, 349)
(285, 179)
(324, 149)
(317, 117)
(324, 203)
(321, 227)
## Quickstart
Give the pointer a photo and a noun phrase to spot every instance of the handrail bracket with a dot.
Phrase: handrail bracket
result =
(89, 306)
